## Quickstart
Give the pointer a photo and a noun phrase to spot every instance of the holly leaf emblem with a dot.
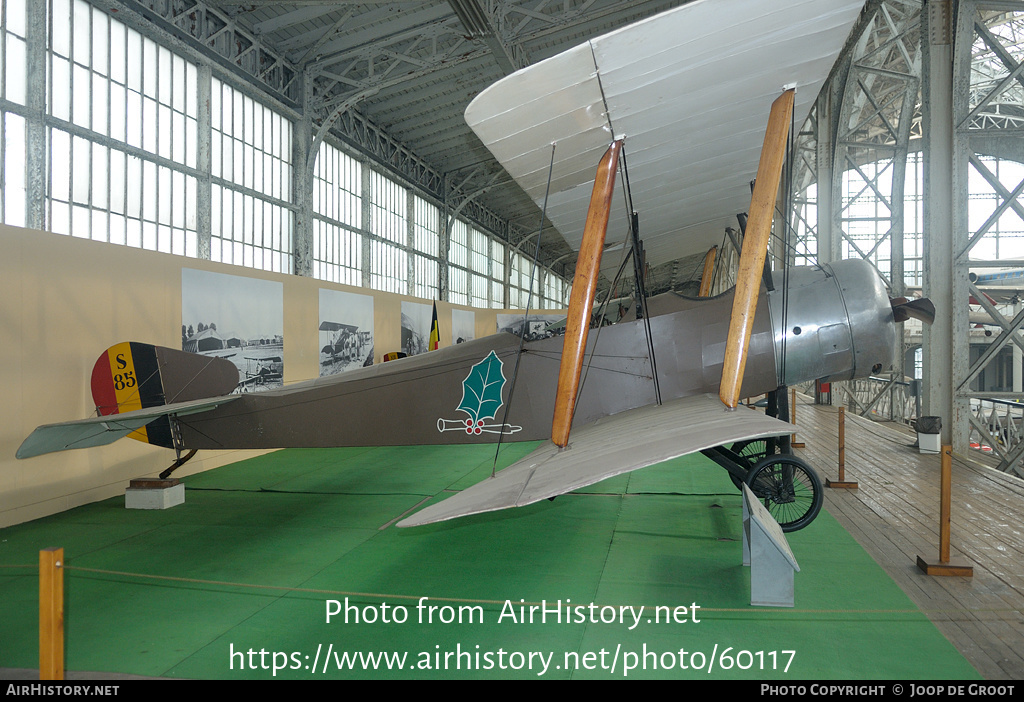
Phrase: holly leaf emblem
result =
(481, 390)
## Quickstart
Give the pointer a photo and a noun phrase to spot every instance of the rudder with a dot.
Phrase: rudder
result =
(132, 375)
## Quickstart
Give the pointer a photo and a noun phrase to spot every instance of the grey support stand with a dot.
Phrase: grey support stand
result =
(767, 552)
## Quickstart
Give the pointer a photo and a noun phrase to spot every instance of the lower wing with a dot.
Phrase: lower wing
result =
(605, 448)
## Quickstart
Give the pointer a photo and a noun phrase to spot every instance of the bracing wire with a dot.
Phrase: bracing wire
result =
(788, 246)
(628, 251)
(640, 285)
(718, 263)
(526, 314)
(787, 194)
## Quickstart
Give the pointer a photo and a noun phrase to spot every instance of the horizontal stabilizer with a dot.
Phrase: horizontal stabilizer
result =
(607, 447)
(98, 431)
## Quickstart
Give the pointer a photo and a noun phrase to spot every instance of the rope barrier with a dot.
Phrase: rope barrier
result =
(501, 603)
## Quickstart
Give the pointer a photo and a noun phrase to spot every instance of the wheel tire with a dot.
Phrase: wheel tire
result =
(793, 501)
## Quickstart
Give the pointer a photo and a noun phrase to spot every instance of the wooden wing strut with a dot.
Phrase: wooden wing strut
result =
(755, 247)
(581, 301)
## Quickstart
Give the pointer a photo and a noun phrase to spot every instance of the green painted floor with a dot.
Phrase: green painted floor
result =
(260, 548)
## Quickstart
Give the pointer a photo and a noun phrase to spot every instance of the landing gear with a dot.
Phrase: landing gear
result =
(751, 452)
(789, 488)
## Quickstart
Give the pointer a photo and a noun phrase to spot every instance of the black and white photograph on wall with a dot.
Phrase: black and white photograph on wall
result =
(463, 326)
(538, 326)
(416, 327)
(346, 331)
(237, 318)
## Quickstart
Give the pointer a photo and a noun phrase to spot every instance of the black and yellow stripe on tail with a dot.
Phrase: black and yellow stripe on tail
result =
(132, 375)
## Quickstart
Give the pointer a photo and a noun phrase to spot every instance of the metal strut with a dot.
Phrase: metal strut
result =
(178, 448)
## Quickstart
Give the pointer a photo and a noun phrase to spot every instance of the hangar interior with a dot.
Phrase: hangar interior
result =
(321, 144)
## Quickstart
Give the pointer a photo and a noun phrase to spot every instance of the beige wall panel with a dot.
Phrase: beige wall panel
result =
(387, 321)
(301, 321)
(63, 301)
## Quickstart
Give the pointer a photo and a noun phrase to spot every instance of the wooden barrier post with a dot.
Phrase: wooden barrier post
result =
(792, 420)
(944, 567)
(842, 445)
(51, 614)
(842, 482)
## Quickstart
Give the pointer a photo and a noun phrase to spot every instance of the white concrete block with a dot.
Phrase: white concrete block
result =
(154, 494)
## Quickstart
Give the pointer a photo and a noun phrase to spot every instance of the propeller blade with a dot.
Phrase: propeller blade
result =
(581, 301)
(755, 247)
(921, 308)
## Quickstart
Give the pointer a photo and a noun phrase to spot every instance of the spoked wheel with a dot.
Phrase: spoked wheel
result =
(789, 488)
(752, 451)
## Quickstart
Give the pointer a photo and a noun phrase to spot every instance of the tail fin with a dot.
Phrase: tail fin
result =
(132, 376)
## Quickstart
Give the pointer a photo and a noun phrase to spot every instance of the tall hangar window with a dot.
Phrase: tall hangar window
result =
(519, 283)
(475, 267)
(12, 125)
(554, 290)
(121, 134)
(129, 142)
(251, 169)
(805, 226)
(458, 261)
(999, 227)
(549, 290)
(479, 265)
(426, 264)
(913, 220)
(988, 178)
(337, 217)
(389, 224)
(867, 217)
(498, 254)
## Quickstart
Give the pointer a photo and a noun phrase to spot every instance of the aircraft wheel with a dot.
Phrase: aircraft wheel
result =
(789, 488)
(753, 451)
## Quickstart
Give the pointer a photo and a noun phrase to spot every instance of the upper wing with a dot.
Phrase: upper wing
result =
(605, 448)
(689, 89)
(106, 429)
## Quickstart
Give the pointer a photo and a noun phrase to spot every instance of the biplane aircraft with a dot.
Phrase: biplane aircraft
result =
(686, 93)
(346, 344)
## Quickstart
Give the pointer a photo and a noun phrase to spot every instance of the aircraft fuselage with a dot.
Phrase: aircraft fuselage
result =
(838, 325)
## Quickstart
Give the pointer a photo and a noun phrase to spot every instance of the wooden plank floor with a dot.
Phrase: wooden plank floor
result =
(894, 515)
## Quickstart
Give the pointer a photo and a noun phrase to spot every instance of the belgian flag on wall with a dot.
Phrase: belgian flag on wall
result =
(435, 332)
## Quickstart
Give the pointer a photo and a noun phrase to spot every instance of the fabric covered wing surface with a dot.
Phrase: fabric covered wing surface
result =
(690, 90)
(607, 447)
